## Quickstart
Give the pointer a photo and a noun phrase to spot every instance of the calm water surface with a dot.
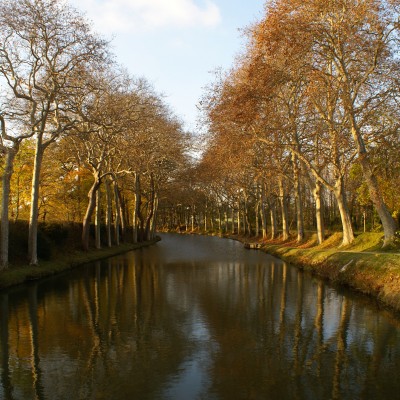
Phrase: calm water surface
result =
(194, 318)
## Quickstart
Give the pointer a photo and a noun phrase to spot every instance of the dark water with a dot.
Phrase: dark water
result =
(194, 318)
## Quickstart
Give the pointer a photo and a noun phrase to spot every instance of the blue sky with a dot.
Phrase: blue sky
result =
(175, 44)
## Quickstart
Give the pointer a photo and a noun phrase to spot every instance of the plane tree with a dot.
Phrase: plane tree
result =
(42, 43)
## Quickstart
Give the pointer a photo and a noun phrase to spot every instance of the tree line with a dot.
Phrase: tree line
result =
(81, 139)
(303, 130)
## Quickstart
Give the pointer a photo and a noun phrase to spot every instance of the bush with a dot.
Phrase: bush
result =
(44, 246)
(52, 237)
(56, 232)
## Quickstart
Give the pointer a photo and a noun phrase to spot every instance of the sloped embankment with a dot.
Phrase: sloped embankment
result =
(362, 266)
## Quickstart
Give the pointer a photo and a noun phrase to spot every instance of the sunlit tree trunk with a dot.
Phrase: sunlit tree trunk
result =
(257, 215)
(122, 214)
(33, 218)
(263, 212)
(117, 214)
(299, 203)
(89, 212)
(136, 209)
(154, 218)
(225, 227)
(274, 223)
(246, 221)
(193, 216)
(340, 195)
(319, 214)
(284, 210)
(388, 223)
(238, 221)
(11, 152)
(205, 217)
(98, 219)
(150, 212)
(233, 221)
(108, 212)
(212, 219)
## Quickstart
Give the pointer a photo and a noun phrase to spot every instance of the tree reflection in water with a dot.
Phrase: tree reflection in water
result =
(157, 325)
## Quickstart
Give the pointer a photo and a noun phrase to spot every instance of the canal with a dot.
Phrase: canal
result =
(194, 317)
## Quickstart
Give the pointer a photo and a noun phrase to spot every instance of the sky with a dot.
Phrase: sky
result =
(175, 44)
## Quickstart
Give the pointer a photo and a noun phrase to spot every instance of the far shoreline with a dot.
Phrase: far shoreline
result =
(362, 266)
(16, 275)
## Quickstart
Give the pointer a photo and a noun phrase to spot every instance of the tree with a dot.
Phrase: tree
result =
(43, 43)
(353, 45)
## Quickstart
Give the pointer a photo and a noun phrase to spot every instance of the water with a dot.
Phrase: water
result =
(194, 318)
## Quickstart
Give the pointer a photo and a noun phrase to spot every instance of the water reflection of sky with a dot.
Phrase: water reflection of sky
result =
(194, 318)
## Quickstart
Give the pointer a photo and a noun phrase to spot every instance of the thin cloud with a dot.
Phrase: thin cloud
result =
(148, 15)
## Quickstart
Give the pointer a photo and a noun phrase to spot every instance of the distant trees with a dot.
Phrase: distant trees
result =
(312, 99)
(302, 133)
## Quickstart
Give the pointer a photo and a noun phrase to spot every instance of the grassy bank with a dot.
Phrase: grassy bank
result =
(61, 262)
(363, 266)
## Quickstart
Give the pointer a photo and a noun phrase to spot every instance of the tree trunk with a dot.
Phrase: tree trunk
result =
(263, 213)
(205, 218)
(98, 220)
(299, 203)
(153, 224)
(11, 152)
(247, 225)
(122, 215)
(257, 213)
(225, 226)
(33, 218)
(108, 212)
(89, 212)
(348, 235)
(136, 209)
(284, 210)
(388, 223)
(274, 225)
(319, 213)
(117, 214)
(238, 220)
(150, 212)
(192, 217)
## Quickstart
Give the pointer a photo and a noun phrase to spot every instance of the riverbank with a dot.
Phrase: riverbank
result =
(20, 274)
(363, 266)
